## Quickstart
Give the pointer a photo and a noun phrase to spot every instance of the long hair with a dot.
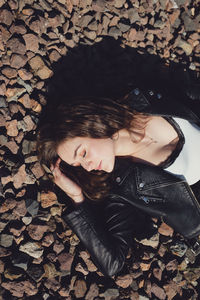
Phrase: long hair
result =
(88, 117)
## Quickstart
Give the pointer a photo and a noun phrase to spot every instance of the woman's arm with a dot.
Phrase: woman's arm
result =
(107, 234)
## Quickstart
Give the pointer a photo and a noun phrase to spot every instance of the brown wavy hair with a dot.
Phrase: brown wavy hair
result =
(93, 118)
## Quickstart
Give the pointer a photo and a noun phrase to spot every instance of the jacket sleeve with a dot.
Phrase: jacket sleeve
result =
(106, 233)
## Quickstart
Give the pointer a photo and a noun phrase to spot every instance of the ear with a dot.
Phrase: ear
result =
(115, 136)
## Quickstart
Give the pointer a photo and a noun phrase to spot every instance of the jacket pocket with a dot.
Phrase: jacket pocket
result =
(151, 199)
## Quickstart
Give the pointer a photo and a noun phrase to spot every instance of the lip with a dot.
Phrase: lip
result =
(99, 166)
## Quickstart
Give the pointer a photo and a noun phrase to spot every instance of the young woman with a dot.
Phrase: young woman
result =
(138, 155)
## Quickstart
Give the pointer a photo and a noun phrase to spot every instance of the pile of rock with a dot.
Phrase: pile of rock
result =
(39, 255)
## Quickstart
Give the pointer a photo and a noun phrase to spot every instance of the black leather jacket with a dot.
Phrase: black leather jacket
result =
(139, 191)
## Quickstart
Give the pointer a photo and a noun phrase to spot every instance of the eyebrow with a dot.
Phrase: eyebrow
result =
(75, 152)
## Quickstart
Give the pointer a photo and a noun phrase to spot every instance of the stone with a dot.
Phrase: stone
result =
(20, 209)
(54, 56)
(6, 240)
(32, 206)
(27, 220)
(20, 177)
(133, 15)
(39, 67)
(65, 260)
(110, 294)
(153, 241)
(80, 288)
(52, 284)
(123, 27)
(17, 231)
(90, 34)
(1, 267)
(58, 247)
(145, 266)
(157, 272)
(36, 232)
(26, 124)
(50, 271)
(92, 292)
(4, 252)
(48, 199)
(124, 281)
(16, 46)
(158, 292)
(165, 229)
(114, 31)
(17, 289)
(28, 146)
(48, 240)
(9, 72)
(19, 29)
(31, 41)
(18, 61)
(6, 17)
(7, 205)
(12, 274)
(24, 74)
(35, 272)
(172, 265)
(12, 146)
(11, 128)
(32, 249)
(37, 170)
(187, 48)
(119, 3)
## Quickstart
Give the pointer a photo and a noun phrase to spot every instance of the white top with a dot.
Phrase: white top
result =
(187, 164)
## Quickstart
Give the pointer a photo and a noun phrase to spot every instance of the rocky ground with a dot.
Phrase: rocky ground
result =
(92, 48)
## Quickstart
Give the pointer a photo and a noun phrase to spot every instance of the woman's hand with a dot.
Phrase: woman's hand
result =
(67, 185)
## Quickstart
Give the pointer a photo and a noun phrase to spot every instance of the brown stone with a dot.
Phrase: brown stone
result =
(132, 34)
(48, 240)
(9, 72)
(11, 128)
(27, 11)
(39, 67)
(29, 124)
(36, 232)
(1, 267)
(19, 29)
(165, 229)
(37, 170)
(54, 56)
(20, 177)
(20, 209)
(58, 247)
(50, 271)
(65, 260)
(18, 61)
(4, 252)
(25, 100)
(6, 17)
(52, 284)
(157, 272)
(24, 74)
(17, 232)
(48, 199)
(17, 289)
(93, 292)
(12, 146)
(145, 266)
(172, 265)
(124, 281)
(158, 292)
(2, 89)
(16, 46)
(32, 42)
(80, 288)
(38, 26)
(7, 205)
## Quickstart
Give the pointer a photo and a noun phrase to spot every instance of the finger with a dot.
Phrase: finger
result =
(58, 162)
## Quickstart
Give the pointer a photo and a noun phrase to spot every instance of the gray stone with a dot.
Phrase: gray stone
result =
(85, 20)
(32, 206)
(111, 294)
(21, 261)
(133, 15)
(123, 27)
(3, 102)
(189, 23)
(115, 32)
(6, 240)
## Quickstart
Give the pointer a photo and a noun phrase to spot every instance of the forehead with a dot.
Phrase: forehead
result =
(67, 148)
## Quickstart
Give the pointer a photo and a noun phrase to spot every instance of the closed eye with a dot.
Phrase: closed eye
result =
(83, 154)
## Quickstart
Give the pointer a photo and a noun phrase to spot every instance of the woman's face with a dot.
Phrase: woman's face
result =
(90, 153)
